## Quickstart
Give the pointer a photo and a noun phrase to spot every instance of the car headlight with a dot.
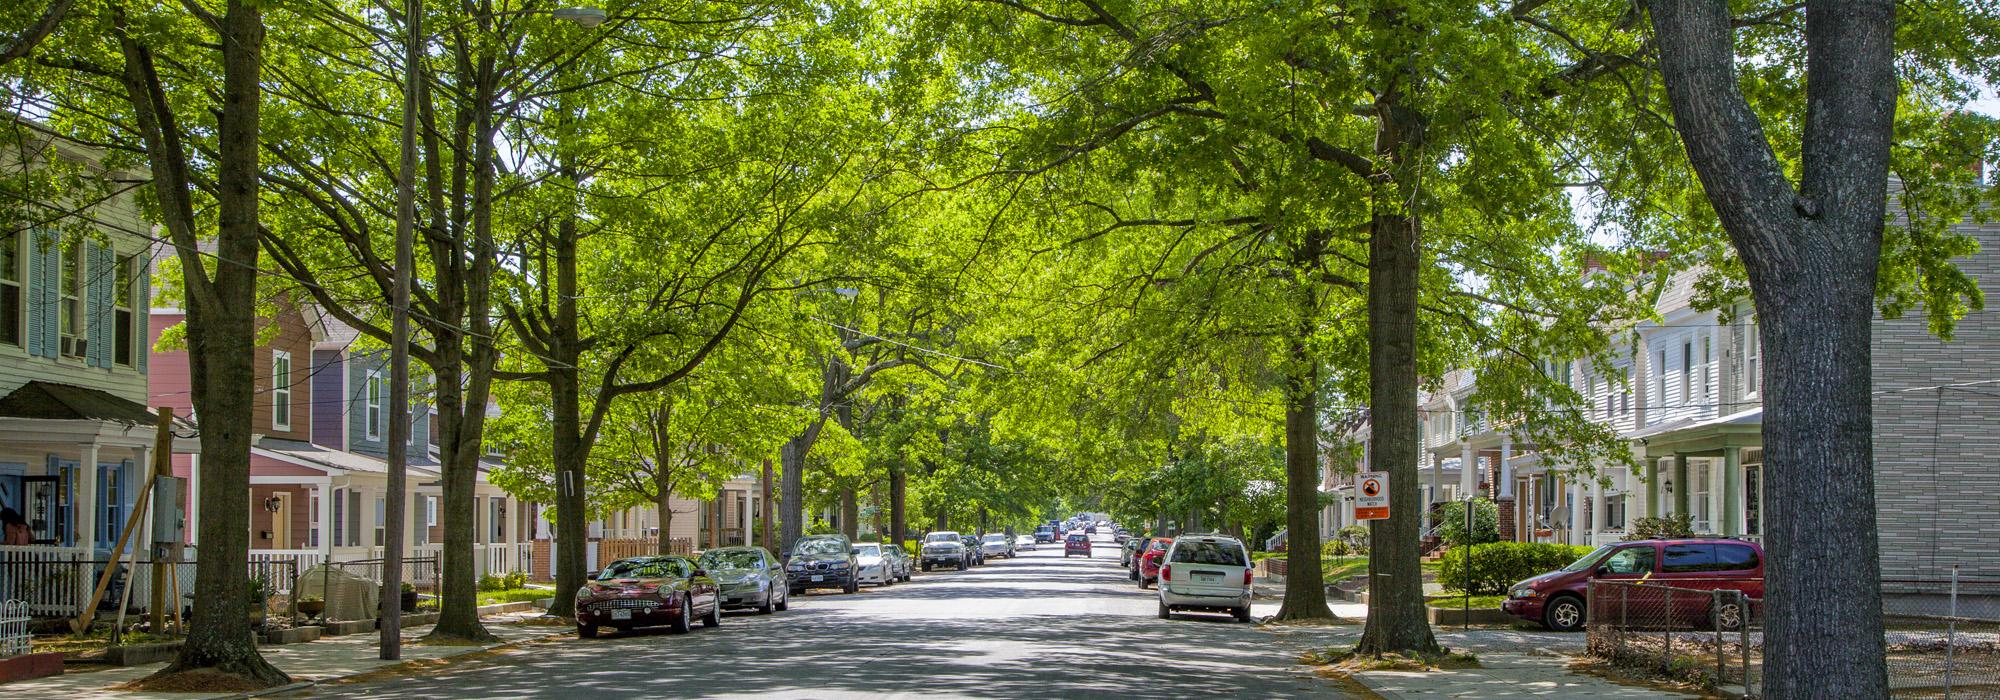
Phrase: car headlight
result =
(1523, 592)
(583, 592)
(840, 565)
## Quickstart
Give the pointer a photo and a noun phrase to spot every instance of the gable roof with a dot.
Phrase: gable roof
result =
(52, 401)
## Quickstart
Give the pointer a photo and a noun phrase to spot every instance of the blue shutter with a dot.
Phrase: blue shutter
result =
(37, 299)
(338, 503)
(142, 305)
(100, 321)
(52, 296)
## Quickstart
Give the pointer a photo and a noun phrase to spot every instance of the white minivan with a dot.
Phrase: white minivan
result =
(1206, 573)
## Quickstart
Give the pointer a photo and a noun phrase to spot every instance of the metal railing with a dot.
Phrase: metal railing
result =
(15, 639)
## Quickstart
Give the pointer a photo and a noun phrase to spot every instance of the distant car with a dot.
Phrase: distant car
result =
(1076, 543)
(1024, 543)
(899, 561)
(822, 561)
(1558, 599)
(1090, 528)
(1149, 562)
(996, 545)
(945, 550)
(647, 592)
(1125, 552)
(1137, 546)
(1119, 535)
(750, 577)
(872, 566)
(1206, 573)
(1045, 534)
(976, 548)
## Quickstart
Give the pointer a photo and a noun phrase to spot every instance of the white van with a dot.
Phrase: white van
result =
(1206, 573)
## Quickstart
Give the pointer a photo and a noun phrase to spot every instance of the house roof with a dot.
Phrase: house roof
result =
(336, 459)
(51, 401)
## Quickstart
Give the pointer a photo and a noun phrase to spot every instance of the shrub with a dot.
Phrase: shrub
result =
(1356, 538)
(518, 579)
(1485, 522)
(1660, 528)
(490, 582)
(1497, 565)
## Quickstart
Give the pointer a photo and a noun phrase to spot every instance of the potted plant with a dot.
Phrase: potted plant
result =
(312, 605)
(257, 602)
(409, 597)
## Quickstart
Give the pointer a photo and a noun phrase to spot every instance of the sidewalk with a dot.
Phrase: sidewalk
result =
(1513, 664)
(329, 658)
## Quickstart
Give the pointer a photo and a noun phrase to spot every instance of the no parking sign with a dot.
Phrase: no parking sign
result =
(1371, 496)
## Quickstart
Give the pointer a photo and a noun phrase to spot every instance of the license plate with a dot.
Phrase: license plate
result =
(1207, 578)
(817, 579)
(621, 614)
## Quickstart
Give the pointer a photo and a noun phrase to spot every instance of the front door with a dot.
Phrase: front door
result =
(281, 522)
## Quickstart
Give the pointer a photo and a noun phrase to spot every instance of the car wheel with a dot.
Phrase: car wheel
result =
(785, 603)
(961, 566)
(684, 621)
(586, 631)
(765, 609)
(1143, 582)
(1165, 614)
(714, 617)
(1728, 617)
(1565, 614)
(853, 584)
(927, 567)
(1243, 614)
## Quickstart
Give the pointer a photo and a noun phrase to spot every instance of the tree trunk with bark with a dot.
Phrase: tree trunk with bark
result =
(764, 494)
(898, 505)
(1305, 587)
(1810, 253)
(850, 514)
(221, 324)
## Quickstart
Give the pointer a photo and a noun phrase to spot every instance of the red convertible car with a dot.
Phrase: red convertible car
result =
(647, 592)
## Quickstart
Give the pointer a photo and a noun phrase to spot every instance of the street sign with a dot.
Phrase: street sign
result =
(1371, 496)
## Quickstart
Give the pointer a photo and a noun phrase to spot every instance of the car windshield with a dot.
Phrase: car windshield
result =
(826, 545)
(732, 559)
(1216, 553)
(868, 550)
(996, 538)
(1589, 560)
(942, 537)
(648, 567)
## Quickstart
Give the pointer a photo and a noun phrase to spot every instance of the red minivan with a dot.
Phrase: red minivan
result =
(1558, 599)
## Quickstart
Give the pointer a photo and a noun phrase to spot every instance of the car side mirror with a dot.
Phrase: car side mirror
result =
(1602, 571)
(700, 572)
(854, 550)
(587, 575)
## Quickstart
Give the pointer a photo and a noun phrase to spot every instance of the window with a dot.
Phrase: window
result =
(376, 388)
(1688, 559)
(123, 331)
(430, 511)
(1203, 552)
(497, 520)
(1625, 397)
(1698, 493)
(339, 505)
(1701, 387)
(380, 517)
(69, 281)
(1753, 359)
(10, 288)
(1687, 373)
(281, 390)
(1660, 381)
(1735, 557)
(1630, 561)
(1614, 512)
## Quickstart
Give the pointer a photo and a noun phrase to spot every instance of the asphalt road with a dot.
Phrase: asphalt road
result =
(1037, 626)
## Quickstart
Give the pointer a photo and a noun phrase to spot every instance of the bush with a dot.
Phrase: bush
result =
(1497, 565)
(490, 583)
(1356, 537)
(1485, 522)
(1660, 528)
(518, 579)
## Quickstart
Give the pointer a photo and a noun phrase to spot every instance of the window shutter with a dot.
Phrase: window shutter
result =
(52, 296)
(99, 321)
(142, 304)
(338, 504)
(32, 300)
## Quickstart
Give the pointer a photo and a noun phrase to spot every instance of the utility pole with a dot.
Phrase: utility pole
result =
(394, 518)
(164, 558)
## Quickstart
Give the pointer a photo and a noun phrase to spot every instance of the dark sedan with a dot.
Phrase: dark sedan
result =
(647, 592)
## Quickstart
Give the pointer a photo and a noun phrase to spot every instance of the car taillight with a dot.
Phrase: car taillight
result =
(1246, 577)
(1166, 573)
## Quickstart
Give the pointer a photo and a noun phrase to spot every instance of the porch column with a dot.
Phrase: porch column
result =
(1680, 496)
(743, 517)
(1575, 513)
(323, 515)
(1597, 511)
(86, 497)
(365, 538)
(1506, 478)
(194, 499)
(1468, 470)
(1437, 484)
(1652, 467)
(1730, 520)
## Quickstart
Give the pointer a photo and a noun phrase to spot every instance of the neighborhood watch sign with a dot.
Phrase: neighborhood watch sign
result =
(1371, 496)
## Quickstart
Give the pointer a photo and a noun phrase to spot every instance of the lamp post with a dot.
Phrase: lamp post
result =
(394, 515)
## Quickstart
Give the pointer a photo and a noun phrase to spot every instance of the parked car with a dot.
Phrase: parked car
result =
(872, 566)
(975, 547)
(1148, 568)
(1126, 550)
(1119, 535)
(1090, 528)
(1559, 599)
(1076, 543)
(945, 549)
(899, 561)
(750, 577)
(1024, 543)
(1206, 573)
(1045, 534)
(647, 592)
(822, 561)
(996, 544)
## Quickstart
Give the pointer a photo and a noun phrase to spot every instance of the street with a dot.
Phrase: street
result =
(1037, 626)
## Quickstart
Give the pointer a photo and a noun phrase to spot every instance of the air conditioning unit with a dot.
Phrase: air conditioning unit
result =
(75, 346)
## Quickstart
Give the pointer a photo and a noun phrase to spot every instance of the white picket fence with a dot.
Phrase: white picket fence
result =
(46, 580)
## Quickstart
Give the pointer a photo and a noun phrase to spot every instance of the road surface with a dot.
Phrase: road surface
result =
(1038, 626)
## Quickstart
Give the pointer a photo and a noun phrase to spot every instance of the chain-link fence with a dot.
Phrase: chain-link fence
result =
(1941, 637)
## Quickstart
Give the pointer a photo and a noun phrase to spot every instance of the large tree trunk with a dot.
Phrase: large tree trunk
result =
(1305, 588)
(1811, 256)
(770, 518)
(221, 325)
(792, 501)
(567, 451)
(898, 512)
(850, 514)
(663, 504)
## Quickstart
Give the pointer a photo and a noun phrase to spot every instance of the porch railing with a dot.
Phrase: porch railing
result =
(49, 581)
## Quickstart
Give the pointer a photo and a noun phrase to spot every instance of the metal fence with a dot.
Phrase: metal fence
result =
(61, 588)
(1941, 637)
(15, 638)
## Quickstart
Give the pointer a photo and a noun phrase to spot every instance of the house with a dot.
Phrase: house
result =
(729, 519)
